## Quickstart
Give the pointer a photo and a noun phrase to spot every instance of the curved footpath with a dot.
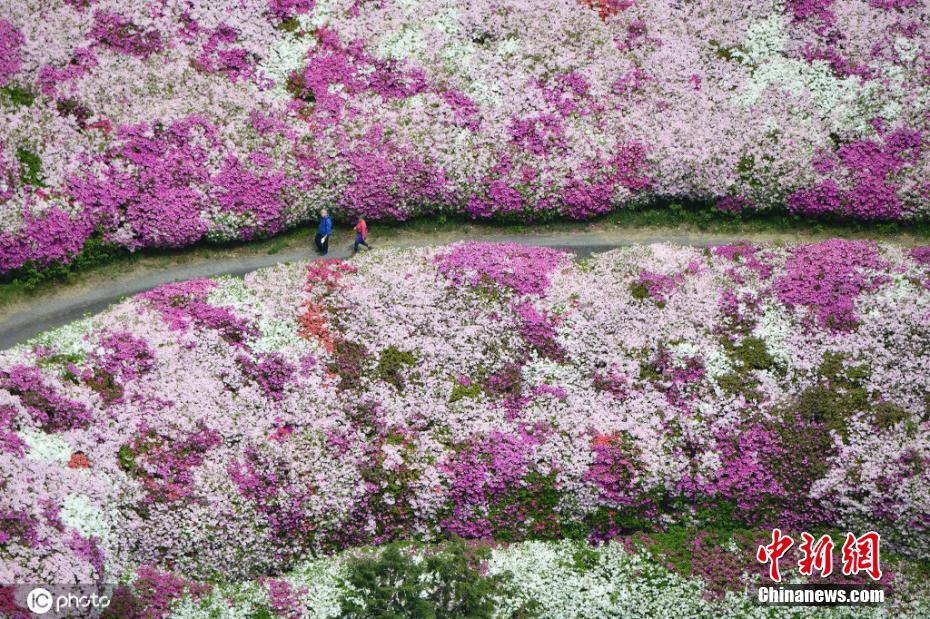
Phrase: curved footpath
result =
(48, 311)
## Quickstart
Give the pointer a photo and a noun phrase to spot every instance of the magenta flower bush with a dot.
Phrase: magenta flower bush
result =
(11, 41)
(159, 125)
(227, 429)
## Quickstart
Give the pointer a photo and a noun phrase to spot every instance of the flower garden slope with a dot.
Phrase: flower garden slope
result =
(159, 126)
(474, 390)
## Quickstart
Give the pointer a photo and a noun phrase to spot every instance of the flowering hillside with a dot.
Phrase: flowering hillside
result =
(160, 123)
(226, 429)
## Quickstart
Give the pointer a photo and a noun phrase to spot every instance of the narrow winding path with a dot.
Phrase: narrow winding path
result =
(69, 303)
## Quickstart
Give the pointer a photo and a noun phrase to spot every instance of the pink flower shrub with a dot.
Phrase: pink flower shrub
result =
(50, 237)
(615, 470)
(658, 286)
(807, 9)
(522, 270)
(184, 304)
(921, 254)
(283, 9)
(152, 593)
(481, 476)
(828, 277)
(272, 372)
(10, 442)
(539, 332)
(120, 34)
(285, 599)
(165, 465)
(47, 407)
(125, 355)
(745, 475)
(167, 125)
(11, 40)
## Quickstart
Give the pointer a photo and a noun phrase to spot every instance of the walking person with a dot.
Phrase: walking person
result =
(361, 233)
(323, 232)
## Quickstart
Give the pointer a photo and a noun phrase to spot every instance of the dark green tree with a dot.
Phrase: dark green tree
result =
(445, 583)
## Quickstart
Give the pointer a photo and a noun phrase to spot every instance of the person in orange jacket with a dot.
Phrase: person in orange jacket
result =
(361, 233)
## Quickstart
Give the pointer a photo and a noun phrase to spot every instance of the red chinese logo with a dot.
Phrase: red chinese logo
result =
(860, 554)
(816, 556)
(773, 552)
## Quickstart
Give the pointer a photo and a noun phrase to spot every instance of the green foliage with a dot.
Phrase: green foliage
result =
(348, 362)
(72, 107)
(838, 373)
(60, 359)
(18, 95)
(30, 276)
(276, 247)
(441, 584)
(573, 529)
(123, 603)
(605, 519)
(71, 376)
(672, 546)
(536, 500)
(812, 448)
(718, 513)
(391, 365)
(718, 556)
(507, 382)
(888, 414)
(392, 487)
(736, 383)
(127, 458)
(840, 394)
(585, 559)
(639, 290)
(745, 166)
(829, 407)
(489, 291)
(648, 370)
(395, 438)
(460, 391)
(31, 167)
(583, 265)
(298, 88)
(105, 385)
(624, 519)
(750, 354)
(291, 24)
(725, 53)
(362, 413)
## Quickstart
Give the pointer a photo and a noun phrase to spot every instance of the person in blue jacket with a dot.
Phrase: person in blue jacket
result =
(323, 232)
